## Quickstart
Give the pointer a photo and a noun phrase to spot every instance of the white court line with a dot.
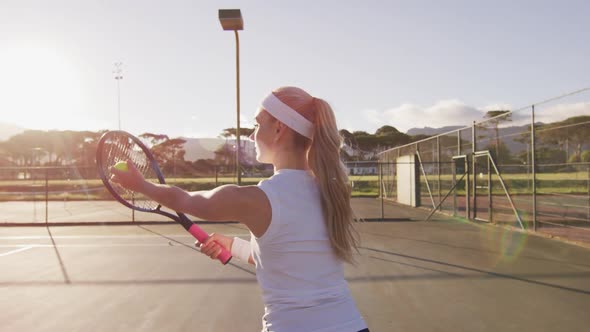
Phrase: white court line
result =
(33, 245)
(15, 251)
(41, 237)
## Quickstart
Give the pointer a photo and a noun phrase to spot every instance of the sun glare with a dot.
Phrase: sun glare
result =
(40, 88)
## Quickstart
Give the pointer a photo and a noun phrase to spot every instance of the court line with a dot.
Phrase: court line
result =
(16, 251)
(65, 237)
(86, 245)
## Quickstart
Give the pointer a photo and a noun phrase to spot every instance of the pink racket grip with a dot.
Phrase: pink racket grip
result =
(201, 236)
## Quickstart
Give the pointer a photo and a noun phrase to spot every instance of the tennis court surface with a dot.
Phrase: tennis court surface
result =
(411, 275)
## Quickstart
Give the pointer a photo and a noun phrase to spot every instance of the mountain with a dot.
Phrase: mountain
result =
(486, 137)
(201, 148)
(431, 131)
(204, 148)
(196, 148)
(8, 130)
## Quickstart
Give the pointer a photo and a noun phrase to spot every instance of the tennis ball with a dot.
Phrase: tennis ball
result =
(122, 166)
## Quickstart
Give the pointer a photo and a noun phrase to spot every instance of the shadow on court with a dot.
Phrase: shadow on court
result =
(410, 275)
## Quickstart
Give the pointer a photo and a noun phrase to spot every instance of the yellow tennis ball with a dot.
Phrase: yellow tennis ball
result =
(122, 166)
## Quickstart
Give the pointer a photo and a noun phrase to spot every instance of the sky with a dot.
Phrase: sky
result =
(401, 63)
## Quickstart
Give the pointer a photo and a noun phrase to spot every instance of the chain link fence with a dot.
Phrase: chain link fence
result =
(528, 168)
(74, 193)
(47, 194)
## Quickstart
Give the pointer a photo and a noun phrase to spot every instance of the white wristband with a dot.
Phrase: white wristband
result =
(240, 249)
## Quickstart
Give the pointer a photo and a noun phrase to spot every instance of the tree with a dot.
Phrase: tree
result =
(549, 155)
(387, 131)
(366, 146)
(497, 116)
(501, 154)
(168, 152)
(225, 155)
(572, 132)
(51, 147)
(204, 165)
(347, 137)
(419, 137)
(575, 158)
(154, 139)
(4, 158)
(231, 132)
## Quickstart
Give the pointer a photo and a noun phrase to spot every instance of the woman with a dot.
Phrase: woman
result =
(300, 219)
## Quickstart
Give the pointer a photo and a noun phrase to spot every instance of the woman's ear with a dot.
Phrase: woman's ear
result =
(279, 130)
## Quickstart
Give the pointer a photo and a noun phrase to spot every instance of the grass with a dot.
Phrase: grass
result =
(579, 176)
(98, 182)
(363, 185)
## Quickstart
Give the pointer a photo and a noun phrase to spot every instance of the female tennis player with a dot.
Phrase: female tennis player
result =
(300, 219)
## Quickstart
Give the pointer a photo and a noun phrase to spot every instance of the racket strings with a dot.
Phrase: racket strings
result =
(122, 148)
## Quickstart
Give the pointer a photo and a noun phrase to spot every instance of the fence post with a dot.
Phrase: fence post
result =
(454, 183)
(381, 191)
(534, 168)
(454, 173)
(46, 196)
(490, 194)
(459, 142)
(216, 174)
(416, 170)
(438, 168)
(467, 181)
(474, 170)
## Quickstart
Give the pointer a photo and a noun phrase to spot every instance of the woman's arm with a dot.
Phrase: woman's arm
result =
(248, 205)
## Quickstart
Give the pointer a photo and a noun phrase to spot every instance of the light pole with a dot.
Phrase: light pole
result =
(118, 74)
(231, 20)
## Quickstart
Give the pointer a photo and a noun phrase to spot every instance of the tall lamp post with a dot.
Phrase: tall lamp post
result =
(118, 75)
(231, 20)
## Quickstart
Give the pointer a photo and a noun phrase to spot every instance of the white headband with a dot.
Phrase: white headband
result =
(287, 115)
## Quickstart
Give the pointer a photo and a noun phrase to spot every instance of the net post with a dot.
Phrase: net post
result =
(133, 210)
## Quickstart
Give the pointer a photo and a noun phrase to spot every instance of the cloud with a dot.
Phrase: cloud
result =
(450, 112)
(561, 112)
(453, 112)
(549, 113)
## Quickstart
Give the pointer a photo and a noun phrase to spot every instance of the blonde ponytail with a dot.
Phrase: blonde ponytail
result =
(331, 174)
(323, 154)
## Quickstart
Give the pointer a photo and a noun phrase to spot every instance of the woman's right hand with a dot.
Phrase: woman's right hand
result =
(212, 247)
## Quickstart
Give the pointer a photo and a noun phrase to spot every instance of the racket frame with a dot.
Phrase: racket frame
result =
(181, 218)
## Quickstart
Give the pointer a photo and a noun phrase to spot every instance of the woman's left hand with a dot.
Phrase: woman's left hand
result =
(131, 179)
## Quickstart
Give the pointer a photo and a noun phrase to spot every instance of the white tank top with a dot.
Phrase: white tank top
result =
(302, 281)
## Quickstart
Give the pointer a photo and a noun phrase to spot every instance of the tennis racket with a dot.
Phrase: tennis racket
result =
(117, 145)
